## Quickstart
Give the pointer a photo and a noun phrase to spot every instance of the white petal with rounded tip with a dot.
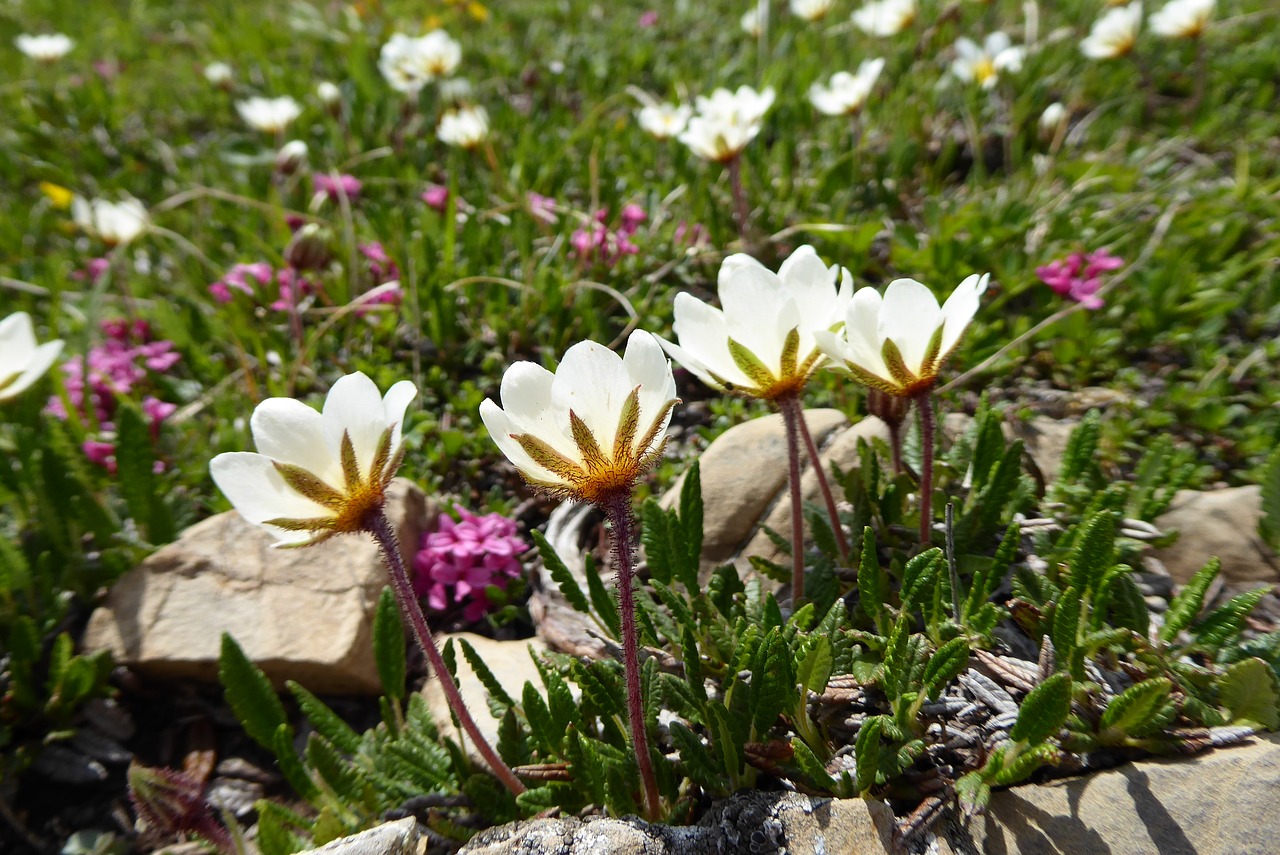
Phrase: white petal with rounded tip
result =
(501, 427)
(258, 492)
(960, 308)
(833, 346)
(733, 264)
(394, 403)
(354, 406)
(863, 334)
(908, 318)
(592, 382)
(704, 341)
(813, 287)
(758, 313)
(648, 368)
(38, 362)
(289, 431)
(17, 342)
(530, 408)
(997, 42)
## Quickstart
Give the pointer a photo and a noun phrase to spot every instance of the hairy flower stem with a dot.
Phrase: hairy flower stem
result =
(790, 418)
(376, 523)
(895, 448)
(734, 165)
(928, 429)
(792, 402)
(618, 509)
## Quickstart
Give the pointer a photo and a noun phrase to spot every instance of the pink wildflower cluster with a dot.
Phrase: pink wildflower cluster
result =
(335, 188)
(597, 242)
(1079, 275)
(543, 208)
(120, 367)
(456, 563)
(436, 196)
(382, 269)
(249, 279)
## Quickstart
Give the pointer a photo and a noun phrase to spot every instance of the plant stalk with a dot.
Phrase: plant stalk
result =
(618, 510)
(790, 419)
(734, 165)
(811, 448)
(928, 430)
(376, 523)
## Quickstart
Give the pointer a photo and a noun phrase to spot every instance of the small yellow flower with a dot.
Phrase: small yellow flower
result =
(60, 197)
(478, 11)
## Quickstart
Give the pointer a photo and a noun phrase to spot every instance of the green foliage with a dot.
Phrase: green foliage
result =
(388, 645)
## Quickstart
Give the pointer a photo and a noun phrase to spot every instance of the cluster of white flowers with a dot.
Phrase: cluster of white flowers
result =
(408, 63)
(44, 48)
(113, 223)
(464, 127)
(1116, 32)
(269, 115)
(724, 123)
(885, 17)
(847, 93)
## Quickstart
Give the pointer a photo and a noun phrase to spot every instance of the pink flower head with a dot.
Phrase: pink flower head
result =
(335, 188)
(101, 453)
(1079, 276)
(597, 242)
(631, 217)
(381, 267)
(437, 197)
(694, 235)
(92, 271)
(542, 207)
(292, 289)
(457, 562)
(648, 19)
(245, 278)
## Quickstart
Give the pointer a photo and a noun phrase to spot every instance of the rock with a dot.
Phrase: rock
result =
(300, 614)
(742, 474)
(390, 838)
(1224, 802)
(510, 662)
(1045, 440)
(758, 822)
(1222, 523)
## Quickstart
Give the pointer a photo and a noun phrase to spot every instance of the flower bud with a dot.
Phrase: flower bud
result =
(291, 157)
(329, 94)
(309, 249)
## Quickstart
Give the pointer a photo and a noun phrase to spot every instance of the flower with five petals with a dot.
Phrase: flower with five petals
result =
(317, 474)
(898, 344)
(593, 427)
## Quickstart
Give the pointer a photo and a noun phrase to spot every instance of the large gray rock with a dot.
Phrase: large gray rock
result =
(510, 662)
(390, 838)
(300, 614)
(762, 823)
(1222, 523)
(1224, 802)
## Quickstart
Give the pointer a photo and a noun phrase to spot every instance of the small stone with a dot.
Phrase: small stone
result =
(390, 838)
(1221, 523)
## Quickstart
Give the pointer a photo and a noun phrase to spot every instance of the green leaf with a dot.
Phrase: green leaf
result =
(692, 523)
(1269, 524)
(1044, 711)
(560, 574)
(945, 665)
(656, 538)
(538, 716)
(289, 764)
(250, 694)
(810, 765)
(696, 759)
(388, 645)
(866, 753)
(918, 577)
(973, 792)
(606, 605)
(276, 829)
(325, 721)
(1025, 763)
(136, 477)
(499, 700)
(1135, 705)
(872, 587)
(1224, 623)
(1189, 601)
(1094, 552)
(1066, 623)
(815, 668)
(1250, 690)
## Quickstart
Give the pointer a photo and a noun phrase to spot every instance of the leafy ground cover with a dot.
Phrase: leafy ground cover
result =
(260, 275)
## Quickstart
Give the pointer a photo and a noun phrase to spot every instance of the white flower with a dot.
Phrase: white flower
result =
(899, 343)
(292, 156)
(111, 222)
(1053, 117)
(409, 63)
(465, 127)
(751, 22)
(317, 474)
(1183, 19)
(847, 93)
(984, 64)
(811, 10)
(270, 115)
(589, 430)
(44, 48)
(218, 73)
(664, 121)
(22, 361)
(455, 90)
(761, 342)
(726, 122)
(885, 17)
(1115, 33)
(328, 93)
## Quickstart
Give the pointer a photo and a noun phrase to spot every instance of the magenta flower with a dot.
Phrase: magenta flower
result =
(631, 217)
(458, 561)
(597, 242)
(542, 207)
(648, 19)
(335, 188)
(437, 197)
(245, 278)
(381, 266)
(1079, 275)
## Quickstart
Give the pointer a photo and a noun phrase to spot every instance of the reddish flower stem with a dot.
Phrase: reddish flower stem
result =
(790, 417)
(741, 212)
(928, 430)
(811, 448)
(376, 523)
(618, 510)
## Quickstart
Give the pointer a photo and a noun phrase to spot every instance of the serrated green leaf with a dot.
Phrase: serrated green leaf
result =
(656, 538)
(606, 605)
(136, 477)
(872, 587)
(289, 764)
(1250, 690)
(1135, 705)
(973, 792)
(697, 761)
(1094, 552)
(250, 694)
(276, 829)
(815, 668)
(945, 665)
(691, 513)
(560, 574)
(1025, 763)
(771, 570)
(1269, 524)
(1187, 604)
(388, 645)
(866, 753)
(325, 721)
(499, 700)
(1224, 623)
(810, 765)
(1044, 710)
(1066, 623)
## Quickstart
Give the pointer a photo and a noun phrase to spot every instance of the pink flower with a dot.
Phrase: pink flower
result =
(292, 289)
(597, 242)
(457, 562)
(631, 217)
(381, 267)
(101, 453)
(244, 278)
(542, 207)
(648, 19)
(335, 188)
(1079, 276)
(93, 270)
(437, 197)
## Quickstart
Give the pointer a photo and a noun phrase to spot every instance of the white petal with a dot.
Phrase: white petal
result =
(909, 317)
(592, 382)
(704, 341)
(394, 403)
(648, 368)
(354, 406)
(530, 408)
(733, 264)
(289, 431)
(17, 342)
(960, 308)
(37, 364)
(996, 42)
(759, 314)
(812, 285)
(501, 427)
(258, 492)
